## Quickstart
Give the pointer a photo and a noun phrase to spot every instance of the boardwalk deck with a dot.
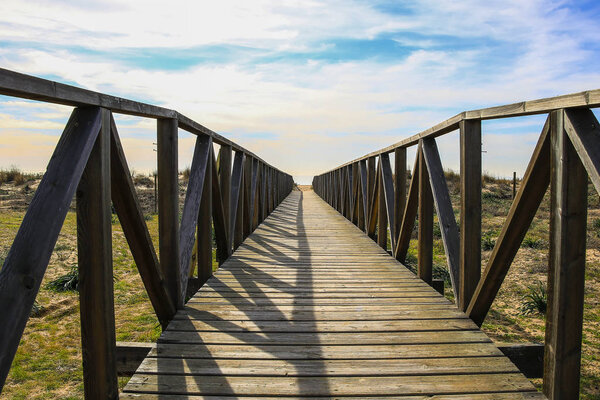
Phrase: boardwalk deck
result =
(308, 306)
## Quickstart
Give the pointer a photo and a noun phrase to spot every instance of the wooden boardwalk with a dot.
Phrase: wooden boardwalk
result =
(308, 306)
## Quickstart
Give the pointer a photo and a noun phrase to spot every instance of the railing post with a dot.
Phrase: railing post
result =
(382, 221)
(204, 227)
(425, 232)
(400, 188)
(470, 211)
(225, 183)
(168, 206)
(247, 213)
(566, 272)
(94, 256)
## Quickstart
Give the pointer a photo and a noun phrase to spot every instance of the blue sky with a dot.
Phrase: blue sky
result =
(306, 85)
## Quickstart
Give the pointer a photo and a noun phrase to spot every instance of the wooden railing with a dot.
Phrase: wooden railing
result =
(89, 162)
(368, 193)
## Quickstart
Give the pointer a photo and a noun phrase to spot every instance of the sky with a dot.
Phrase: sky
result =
(306, 85)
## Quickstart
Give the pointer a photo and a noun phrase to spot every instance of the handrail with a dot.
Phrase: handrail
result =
(233, 193)
(30, 87)
(366, 192)
(588, 98)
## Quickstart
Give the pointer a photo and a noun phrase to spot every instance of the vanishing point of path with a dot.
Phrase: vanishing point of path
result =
(308, 306)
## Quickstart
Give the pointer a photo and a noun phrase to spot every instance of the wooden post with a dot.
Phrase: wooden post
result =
(204, 227)
(247, 213)
(371, 174)
(94, 256)
(514, 193)
(566, 272)
(425, 234)
(168, 207)
(224, 163)
(400, 188)
(382, 222)
(470, 211)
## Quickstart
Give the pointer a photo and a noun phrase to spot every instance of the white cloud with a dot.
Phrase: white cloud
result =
(323, 113)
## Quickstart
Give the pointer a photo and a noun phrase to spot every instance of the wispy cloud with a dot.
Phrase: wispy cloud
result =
(306, 85)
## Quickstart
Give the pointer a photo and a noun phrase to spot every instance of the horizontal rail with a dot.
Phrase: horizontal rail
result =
(587, 99)
(30, 87)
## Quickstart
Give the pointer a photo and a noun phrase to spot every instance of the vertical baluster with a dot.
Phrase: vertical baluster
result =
(425, 233)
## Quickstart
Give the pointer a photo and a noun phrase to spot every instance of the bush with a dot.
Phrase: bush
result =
(536, 300)
(16, 176)
(487, 242)
(65, 283)
(532, 243)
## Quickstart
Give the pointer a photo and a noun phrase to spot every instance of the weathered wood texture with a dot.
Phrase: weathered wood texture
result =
(168, 207)
(26, 262)
(94, 259)
(309, 306)
(566, 270)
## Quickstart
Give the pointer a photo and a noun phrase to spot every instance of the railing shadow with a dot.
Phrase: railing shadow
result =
(265, 340)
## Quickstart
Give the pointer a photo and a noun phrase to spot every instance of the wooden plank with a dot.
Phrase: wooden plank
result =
(191, 208)
(473, 396)
(26, 262)
(521, 213)
(447, 324)
(400, 190)
(224, 162)
(566, 270)
(323, 386)
(425, 234)
(278, 368)
(409, 214)
(355, 352)
(445, 212)
(94, 259)
(136, 232)
(584, 132)
(470, 211)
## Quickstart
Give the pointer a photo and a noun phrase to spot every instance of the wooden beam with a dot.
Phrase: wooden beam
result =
(371, 186)
(409, 214)
(129, 356)
(224, 162)
(131, 217)
(400, 189)
(247, 219)
(27, 260)
(94, 258)
(566, 271)
(528, 357)
(205, 224)
(236, 193)
(218, 210)
(191, 208)
(364, 191)
(470, 211)
(425, 234)
(445, 212)
(584, 132)
(254, 194)
(521, 213)
(382, 218)
(374, 210)
(387, 184)
(168, 207)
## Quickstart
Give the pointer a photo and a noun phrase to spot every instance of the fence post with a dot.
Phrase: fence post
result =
(566, 272)
(425, 232)
(470, 211)
(168, 206)
(94, 257)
